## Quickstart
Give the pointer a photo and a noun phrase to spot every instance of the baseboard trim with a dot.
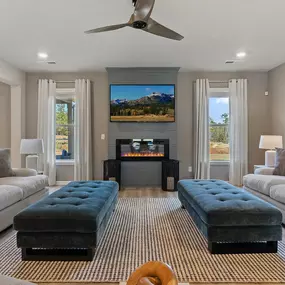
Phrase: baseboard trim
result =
(62, 183)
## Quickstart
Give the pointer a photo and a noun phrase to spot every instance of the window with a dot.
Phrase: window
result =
(219, 127)
(65, 111)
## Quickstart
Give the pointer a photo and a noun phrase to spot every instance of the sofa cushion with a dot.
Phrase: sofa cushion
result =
(77, 207)
(277, 193)
(30, 184)
(262, 183)
(5, 163)
(280, 162)
(9, 195)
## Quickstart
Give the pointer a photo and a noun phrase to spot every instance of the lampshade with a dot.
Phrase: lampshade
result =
(270, 142)
(32, 146)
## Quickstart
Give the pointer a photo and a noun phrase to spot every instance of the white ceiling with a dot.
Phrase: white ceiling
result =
(214, 31)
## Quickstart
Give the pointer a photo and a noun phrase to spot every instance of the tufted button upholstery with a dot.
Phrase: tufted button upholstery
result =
(77, 207)
(221, 204)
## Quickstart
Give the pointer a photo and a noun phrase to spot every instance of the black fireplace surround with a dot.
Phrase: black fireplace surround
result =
(142, 149)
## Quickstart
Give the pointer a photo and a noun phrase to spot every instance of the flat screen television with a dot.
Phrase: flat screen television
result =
(142, 103)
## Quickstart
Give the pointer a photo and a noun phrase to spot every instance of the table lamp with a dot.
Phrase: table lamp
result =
(32, 147)
(270, 143)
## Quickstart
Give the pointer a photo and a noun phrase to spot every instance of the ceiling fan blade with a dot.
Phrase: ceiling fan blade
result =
(107, 29)
(143, 9)
(157, 29)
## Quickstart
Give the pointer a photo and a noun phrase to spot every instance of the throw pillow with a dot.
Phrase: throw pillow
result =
(5, 163)
(280, 162)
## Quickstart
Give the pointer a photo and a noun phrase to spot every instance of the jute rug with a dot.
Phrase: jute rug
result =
(144, 229)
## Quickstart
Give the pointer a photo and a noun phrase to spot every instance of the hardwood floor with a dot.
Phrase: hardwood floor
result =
(135, 192)
(145, 192)
(131, 193)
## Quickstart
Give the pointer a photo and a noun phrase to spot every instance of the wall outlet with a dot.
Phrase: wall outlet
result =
(103, 136)
(190, 169)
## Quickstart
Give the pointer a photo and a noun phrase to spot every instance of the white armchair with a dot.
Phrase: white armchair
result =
(24, 172)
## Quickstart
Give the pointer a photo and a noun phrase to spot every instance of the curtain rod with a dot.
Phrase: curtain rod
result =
(225, 81)
(71, 81)
(218, 81)
(211, 81)
(221, 81)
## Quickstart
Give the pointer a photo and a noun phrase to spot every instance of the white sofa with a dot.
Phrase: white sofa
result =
(18, 192)
(4, 280)
(267, 186)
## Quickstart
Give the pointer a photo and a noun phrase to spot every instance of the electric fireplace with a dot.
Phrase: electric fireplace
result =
(142, 149)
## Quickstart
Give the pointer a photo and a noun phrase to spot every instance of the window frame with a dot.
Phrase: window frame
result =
(64, 93)
(221, 92)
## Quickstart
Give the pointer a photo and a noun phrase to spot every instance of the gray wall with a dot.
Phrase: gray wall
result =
(64, 173)
(277, 100)
(259, 107)
(100, 117)
(142, 173)
(5, 116)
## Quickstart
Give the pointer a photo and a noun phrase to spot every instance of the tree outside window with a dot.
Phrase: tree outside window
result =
(219, 129)
(65, 108)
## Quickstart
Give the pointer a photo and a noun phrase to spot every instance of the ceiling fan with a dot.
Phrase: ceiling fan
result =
(141, 20)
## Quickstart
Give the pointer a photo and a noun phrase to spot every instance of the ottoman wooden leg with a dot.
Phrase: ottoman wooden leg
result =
(24, 253)
(90, 254)
(272, 246)
(212, 247)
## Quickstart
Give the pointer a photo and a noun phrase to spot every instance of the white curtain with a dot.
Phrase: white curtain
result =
(46, 127)
(83, 134)
(238, 131)
(201, 145)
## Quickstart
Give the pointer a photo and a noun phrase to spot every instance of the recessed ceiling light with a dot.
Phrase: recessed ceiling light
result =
(42, 55)
(241, 54)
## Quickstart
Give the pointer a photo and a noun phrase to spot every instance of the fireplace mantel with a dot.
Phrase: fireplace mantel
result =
(142, 149)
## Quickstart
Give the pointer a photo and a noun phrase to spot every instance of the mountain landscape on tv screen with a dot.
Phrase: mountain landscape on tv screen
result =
(155, 107)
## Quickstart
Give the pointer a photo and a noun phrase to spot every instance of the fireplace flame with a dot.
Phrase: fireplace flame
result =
(143, 154)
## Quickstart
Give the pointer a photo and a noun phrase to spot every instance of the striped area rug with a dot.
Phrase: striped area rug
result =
(144, 229)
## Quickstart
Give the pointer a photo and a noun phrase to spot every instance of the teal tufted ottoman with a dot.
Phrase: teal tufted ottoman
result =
(68, 224)
(233, 220)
